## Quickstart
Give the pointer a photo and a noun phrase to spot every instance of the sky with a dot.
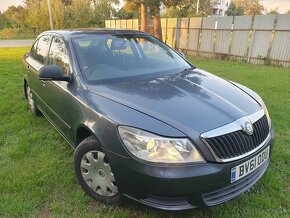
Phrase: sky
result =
(282, 5)
(4, 4)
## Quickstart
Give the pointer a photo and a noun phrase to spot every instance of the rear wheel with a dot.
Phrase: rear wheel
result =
(32, 106)
(94, 172)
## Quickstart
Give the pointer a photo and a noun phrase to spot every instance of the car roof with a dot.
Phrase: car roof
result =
(79, 32)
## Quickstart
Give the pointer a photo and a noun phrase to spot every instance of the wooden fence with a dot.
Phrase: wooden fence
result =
(258, 39)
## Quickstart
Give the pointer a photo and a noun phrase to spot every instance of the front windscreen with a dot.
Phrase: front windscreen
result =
(107, 57)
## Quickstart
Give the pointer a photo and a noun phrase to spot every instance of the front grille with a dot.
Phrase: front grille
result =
(232, 190)
(238, 143)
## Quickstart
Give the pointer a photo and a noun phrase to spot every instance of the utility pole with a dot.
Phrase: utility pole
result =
(50, 14)
(197, 6)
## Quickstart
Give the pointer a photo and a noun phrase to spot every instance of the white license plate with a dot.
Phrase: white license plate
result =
(249, 166)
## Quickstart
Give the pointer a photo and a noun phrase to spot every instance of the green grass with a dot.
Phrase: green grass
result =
(36, 169)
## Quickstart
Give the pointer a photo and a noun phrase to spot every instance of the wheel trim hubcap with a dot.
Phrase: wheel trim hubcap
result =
(97, 173)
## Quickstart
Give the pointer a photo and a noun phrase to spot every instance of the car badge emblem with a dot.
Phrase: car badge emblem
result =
(248, 128)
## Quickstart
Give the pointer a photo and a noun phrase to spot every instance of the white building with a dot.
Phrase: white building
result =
(220, 7)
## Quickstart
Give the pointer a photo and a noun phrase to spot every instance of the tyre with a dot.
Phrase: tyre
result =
(94, 172)
(32, 106)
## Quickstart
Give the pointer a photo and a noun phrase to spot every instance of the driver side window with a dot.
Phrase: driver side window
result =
(58, 54)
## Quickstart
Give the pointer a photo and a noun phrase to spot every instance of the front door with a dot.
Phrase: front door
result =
(56, 94)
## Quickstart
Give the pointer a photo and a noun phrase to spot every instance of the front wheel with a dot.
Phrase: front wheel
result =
(94, 172)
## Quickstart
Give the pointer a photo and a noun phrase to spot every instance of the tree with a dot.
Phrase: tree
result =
(16, 16)
(132, 8)
(251, 7)
(139, 6)
(103, 9)
(187, 8)
(272, 11)
(124, 14)
(81, 12)
(34, 16)
(157, 22)
(37, 15)
(154, 6)
(58, 12)
(234, 11)
(4, 22)
(143, 11)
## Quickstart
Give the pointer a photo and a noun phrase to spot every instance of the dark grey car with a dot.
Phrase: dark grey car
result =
(146, 124)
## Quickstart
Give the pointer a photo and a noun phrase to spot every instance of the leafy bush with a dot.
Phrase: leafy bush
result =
(11, 33)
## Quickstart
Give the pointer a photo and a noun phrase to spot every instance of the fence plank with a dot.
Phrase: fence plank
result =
(263, 26)
(240, 36)
(164, 29)
(223, 34)
(130, 24)
(171, 32)
(281, 46)
(123, 24)
(135, 24)
(118, 24)
(108, 23)
(182, 39)
(207, 34)
(193, 33)
(113, 23)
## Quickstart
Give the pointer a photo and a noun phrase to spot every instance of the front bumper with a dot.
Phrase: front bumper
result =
(182, 187)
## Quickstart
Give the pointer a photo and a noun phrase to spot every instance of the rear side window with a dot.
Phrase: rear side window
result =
(58, 54)
(41, 52)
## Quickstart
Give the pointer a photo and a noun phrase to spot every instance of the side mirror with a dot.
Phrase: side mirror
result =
(52, 72)
(181, 54)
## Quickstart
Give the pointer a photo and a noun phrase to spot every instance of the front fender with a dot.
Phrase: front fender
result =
(102, 117)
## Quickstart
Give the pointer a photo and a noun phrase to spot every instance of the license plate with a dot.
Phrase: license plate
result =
(249, 166)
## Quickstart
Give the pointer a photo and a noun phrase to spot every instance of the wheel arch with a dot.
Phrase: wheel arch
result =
(83, 132)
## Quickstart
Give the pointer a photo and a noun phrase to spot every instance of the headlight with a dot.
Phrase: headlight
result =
(153, 148)
(266, 112)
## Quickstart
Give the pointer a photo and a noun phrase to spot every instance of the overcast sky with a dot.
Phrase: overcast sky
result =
(282, 5)
(4, 4)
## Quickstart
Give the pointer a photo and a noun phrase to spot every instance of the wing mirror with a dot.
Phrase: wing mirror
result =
(52, 72)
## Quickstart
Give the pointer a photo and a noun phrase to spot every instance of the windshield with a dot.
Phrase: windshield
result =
(106, 57)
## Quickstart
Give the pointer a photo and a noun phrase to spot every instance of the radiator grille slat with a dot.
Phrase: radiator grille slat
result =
(238, 143)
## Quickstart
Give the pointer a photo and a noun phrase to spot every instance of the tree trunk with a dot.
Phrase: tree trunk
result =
(143, 9)
(157, 22)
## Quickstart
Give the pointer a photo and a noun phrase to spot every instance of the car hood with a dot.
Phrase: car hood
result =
(190, 101)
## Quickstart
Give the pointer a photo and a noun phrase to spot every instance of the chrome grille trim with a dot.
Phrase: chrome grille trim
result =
(234, 126)
(218, 136)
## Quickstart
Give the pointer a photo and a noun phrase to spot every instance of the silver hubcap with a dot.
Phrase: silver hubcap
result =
(97, 173)
(30, 98)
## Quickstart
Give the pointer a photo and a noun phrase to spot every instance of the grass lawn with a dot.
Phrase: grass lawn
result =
(36, 169)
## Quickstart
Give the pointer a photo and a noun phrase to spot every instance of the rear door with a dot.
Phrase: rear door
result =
(57, 94)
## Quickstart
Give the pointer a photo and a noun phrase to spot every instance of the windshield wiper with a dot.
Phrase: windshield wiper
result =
(187, 69)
